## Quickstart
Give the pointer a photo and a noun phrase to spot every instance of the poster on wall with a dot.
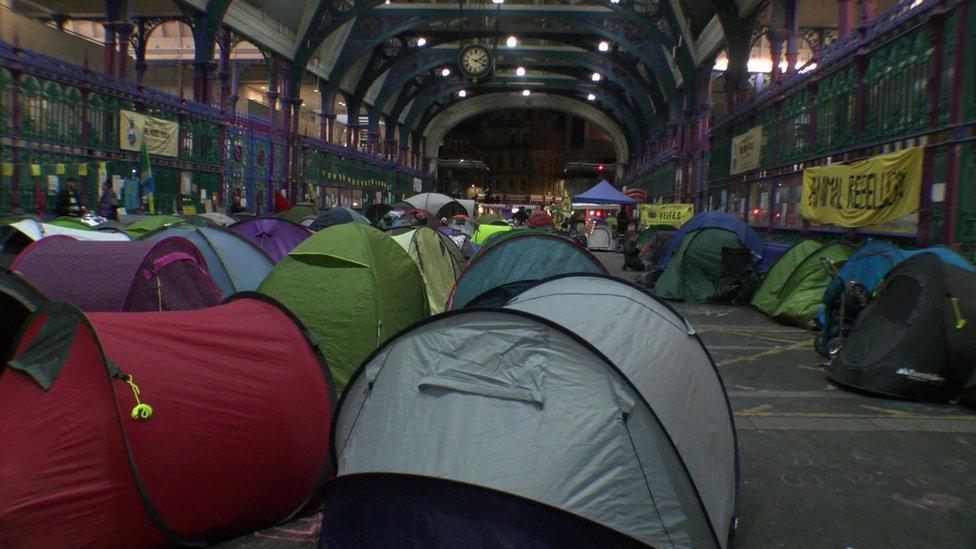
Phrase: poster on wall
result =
(161, 136)
(868, 192)
(746, 148)
(665, 214)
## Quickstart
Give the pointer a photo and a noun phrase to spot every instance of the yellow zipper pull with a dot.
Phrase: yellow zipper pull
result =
(960, 321)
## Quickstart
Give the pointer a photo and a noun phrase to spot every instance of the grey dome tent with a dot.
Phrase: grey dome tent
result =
(661, 354)
(235, 263)
(922, 299)
(502, 404)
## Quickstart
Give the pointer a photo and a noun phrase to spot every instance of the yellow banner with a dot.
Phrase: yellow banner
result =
(877, 190)
(665, 214)
(746, 148)
(161, 136)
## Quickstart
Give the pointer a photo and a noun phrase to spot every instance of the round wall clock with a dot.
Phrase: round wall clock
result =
(475, 61)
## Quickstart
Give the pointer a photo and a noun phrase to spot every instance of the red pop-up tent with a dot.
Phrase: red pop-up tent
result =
(227, 432)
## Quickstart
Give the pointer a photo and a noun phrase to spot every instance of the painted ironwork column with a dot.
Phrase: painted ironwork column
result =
(123, 31)
(956, 95)
(936, 30)
(843, 18)
(223, 66)
(108, 44)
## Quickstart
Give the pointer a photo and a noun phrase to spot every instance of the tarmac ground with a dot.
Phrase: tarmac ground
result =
(820, 466)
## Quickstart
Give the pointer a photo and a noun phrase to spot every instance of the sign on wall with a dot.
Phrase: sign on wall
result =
(161, 136)
(665, 214)
(869, 192)
(746, 148)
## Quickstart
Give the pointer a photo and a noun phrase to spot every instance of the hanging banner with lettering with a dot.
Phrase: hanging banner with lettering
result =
(745, 151)
(161, 136)
(665, 214)
(868, 192)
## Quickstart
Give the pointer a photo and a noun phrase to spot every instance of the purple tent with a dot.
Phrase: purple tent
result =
(603, 193)
(276, 236)
(165, 275)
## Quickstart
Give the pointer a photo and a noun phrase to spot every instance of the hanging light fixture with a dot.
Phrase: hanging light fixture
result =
(511, 42)
(462, 94)
(604, 46)
(421, 42)
(591, 97)
(596, 77)
(445, 72)
(520, 71)
(526, 92)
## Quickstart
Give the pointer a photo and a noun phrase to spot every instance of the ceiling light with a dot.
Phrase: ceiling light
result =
(387, 2)
(526, 93)
(614, 1)
(596, 77)
(511, 42)
(445, 72)
(421, 42)
(604, 46)
(498, 1)
(520, 71)
(462, 94)
(591, 97)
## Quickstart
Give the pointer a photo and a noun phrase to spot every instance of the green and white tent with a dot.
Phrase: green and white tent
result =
(353, 287)
(794, 286)
(437, 257)
(711, 265)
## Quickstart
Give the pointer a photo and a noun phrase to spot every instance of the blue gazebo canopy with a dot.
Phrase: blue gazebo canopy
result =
(604, 193)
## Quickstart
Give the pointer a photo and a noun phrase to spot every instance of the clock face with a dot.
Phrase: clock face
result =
(475, 61)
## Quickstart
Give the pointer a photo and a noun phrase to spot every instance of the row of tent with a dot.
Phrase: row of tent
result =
(872, 304)
(266, 364)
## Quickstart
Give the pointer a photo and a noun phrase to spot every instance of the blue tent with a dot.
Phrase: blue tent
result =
(337, 216)
(714, 220)
(870, 263)
(516, 260)
(235, 263)
(603, 193)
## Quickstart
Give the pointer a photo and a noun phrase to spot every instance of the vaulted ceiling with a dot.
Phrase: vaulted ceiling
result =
(367, 51)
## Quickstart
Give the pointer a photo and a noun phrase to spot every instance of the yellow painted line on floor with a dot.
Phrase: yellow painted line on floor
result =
(762, 354)
(767, 412)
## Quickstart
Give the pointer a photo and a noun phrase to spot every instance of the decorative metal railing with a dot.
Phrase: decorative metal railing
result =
(894, 83)
(59, 120)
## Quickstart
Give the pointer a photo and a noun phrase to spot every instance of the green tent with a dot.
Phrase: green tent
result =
(438, 259)
(353, 287)
(302, 213)
(486, 230)
(767, 295)
(153, 222)
(646, 233)
(794, 286)
(489, 218)
(71, 223)
(710, 265)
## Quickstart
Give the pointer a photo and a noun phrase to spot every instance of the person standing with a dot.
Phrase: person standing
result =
(68, 202)
(623, 221)
(108, 203)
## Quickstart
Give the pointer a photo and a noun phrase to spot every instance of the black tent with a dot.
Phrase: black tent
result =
(917, 338)
(18, 300)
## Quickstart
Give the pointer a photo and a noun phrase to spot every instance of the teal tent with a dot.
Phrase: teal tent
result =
(517, 260)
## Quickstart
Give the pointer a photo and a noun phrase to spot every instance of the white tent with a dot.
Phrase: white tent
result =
(600, 239)
(660, 353)
(502, 401)
(438, 204)
(35, 230)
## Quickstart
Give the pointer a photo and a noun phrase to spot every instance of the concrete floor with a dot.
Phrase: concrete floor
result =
(821, 467)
